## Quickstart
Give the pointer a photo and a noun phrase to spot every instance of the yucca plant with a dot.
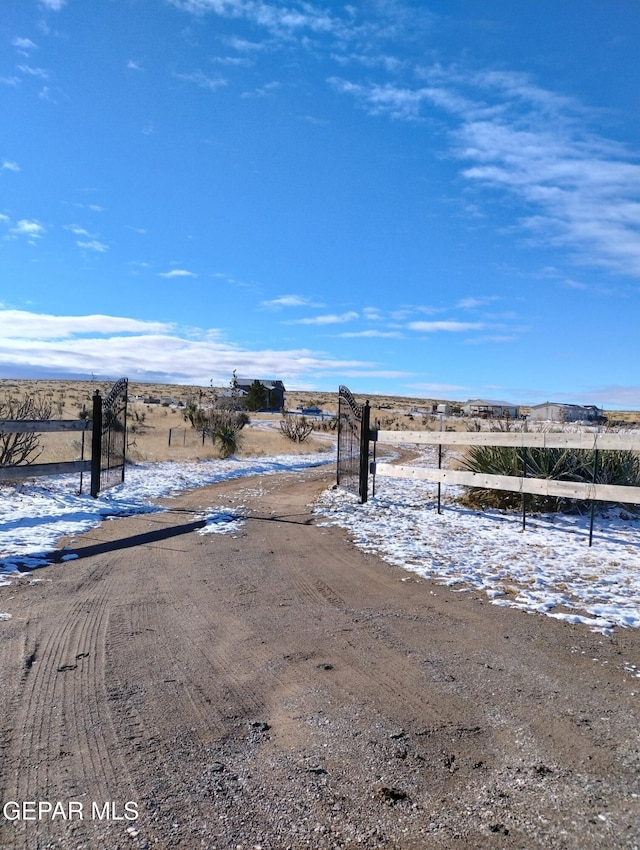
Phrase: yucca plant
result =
(614, 467)
(224, 427)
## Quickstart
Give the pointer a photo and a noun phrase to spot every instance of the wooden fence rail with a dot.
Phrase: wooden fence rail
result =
(35, 470)
(513, 484)
(42, 426)
(108, 424)
(518, 439)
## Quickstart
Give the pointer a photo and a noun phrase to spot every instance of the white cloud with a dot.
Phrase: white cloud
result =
(237, 61)
(54, 5)
(450, 327)
(29, 71)
(290, 301)
(30, 228)
(8, 165)
(388, 99)
(493, 338)
(580, 190)
(372, 313)
(21, 324)
(93, 245)
(473, 302)
(277, 19)
(77, 230)
(330, 319)
(115, 346)
(177, 273)
(202, 80)
(372, 334)
(24, 45)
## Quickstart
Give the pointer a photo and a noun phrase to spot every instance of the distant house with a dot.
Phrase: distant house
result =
(551, 411)
(489, 409)
(274, 389)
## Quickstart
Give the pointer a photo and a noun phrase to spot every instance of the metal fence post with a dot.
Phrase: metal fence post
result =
(593, 503)
(96, 444)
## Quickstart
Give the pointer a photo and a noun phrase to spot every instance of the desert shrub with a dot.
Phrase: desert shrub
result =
(24, 448)
(614, 467)
(296, 428)
(224, 426)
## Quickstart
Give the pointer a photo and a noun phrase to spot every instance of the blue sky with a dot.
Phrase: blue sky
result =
(437, 199)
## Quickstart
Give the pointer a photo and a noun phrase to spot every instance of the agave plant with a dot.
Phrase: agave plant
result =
(613, 467)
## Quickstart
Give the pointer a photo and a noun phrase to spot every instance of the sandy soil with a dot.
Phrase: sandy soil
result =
(277, 688)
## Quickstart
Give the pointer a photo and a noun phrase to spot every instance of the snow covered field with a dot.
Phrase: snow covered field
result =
(547, 569)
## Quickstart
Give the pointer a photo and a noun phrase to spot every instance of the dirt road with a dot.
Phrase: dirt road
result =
(277, 688)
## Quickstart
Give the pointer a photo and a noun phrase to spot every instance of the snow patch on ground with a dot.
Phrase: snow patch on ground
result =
(34, 516)
(547, 569)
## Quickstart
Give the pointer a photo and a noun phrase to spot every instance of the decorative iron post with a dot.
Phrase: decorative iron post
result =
(363, 487)
(96, 443)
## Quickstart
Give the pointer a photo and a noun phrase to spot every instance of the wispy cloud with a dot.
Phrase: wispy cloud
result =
(474, 302)
(93, 245)
(290, 301)
(31, 229)
(370, 334)
(8, 165)
(54, 5)
(30, 71)
(24, 45)
(202, 80)
(233, 61)
(387, 99)
(447, 327)
(329, 319)
(275, 18)
(373, 314)
(178, 273)
(493, 338)
(580, 189)
(77, 230)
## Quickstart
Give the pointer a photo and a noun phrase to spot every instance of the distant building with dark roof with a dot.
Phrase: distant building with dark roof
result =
(274, 389)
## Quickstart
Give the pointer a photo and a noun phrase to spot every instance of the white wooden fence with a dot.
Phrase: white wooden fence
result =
(514, 484)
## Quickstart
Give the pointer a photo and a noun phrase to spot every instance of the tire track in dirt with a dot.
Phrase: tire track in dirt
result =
(63, 746)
